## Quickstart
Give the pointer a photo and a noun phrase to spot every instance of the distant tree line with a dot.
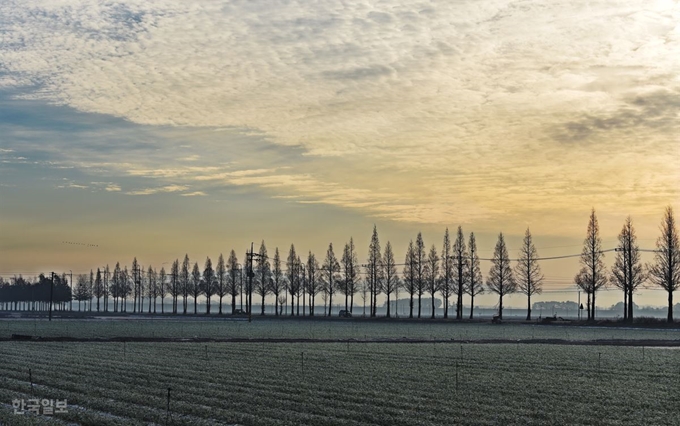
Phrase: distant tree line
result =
(453, 272)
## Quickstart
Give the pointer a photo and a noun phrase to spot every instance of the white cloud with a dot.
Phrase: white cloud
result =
(414, 102)
(194, 194)
(163, 189)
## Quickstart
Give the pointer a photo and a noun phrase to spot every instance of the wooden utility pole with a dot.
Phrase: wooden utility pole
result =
(51, 295)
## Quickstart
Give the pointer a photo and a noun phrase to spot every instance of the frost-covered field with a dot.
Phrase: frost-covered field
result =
(316, 329)
(344, 383)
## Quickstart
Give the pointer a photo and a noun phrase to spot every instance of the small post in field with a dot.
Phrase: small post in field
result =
(167, 415)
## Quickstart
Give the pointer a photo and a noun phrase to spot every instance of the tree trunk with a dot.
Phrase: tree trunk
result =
(630, 305)
(432, 305)
(670, 306)
(388, 305)
(420, 298)
(330, 304)
(500, 307)
(625, 305)
(529, 307)
(593, 307)
(262, 304)
(446, 306)
(410, 312)
(472, 304)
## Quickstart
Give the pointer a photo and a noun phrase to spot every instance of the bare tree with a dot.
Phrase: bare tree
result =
(374, 269)
(431, 273)
(233, 279)
(475, 283)
(419, 257)
(460, 271)
(292, 272)
(665, 271)
(136, 279)
(277, 280)
(627, 272)
(446, 286)
(195, 285)
(593, 273)
(162, 289)
(391, 279)
(185, 282)
(82, 290)
(175, 287)
(410, 275)
(528, 272)
(350, 266)
(98, 287)
(151, 291)
(501, 280)
(263, 271)
(221, 278)
(313, 281)
(332, 268)
(208, 284)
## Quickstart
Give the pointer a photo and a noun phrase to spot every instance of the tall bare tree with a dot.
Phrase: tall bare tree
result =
(501, 280)
(277, 280)
(665, 271)
(263, 272)
(420, 260)
(151, 277)
(195, 285)
(475, 283)
(162, 288)
(460, 271)
(446, 286)
(292, 267)
(410, 275)
(350, 266)
(313, 281)
(528, 272)
(208, 284)
(628, 273)
(175, 286)
(331, 268)
(391, 279)
(431, 273)
(136, 279)
(221, 276)
(593, 273)
(233, 279)
(185, 282)
(98, 287)
(373, 269)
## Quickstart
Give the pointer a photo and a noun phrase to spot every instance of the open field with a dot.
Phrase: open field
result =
(344, 383)
(259, 328)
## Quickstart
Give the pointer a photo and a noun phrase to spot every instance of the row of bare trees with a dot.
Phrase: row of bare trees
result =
(455, 271)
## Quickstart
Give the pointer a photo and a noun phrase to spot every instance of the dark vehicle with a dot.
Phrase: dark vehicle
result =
(239, 312)
(496, 319)
(345, 314)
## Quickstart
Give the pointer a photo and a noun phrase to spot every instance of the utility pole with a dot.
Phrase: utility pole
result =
(51, 295)
(71, 301)
(251, 274)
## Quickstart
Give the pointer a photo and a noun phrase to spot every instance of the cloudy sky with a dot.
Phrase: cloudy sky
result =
(153, 128)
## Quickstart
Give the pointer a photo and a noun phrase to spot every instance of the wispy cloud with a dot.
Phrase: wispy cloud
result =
(437, 112)
(163, 189)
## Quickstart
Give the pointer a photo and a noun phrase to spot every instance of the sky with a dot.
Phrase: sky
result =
(157, 128)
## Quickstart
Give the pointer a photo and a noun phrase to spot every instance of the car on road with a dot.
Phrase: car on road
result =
(345, 314)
